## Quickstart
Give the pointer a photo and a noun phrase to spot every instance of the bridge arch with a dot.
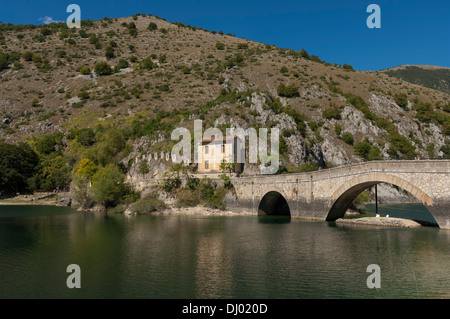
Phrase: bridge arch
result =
(274, 203)
(346, 193)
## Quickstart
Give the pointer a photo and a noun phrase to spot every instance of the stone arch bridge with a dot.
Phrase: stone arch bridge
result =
(326, 194)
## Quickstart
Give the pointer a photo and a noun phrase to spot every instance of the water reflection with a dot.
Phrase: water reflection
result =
(274, 219)
(217, 257)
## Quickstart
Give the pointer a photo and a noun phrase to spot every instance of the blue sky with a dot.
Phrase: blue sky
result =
(412, 31)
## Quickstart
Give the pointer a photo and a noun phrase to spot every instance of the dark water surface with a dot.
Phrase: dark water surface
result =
(215, 256)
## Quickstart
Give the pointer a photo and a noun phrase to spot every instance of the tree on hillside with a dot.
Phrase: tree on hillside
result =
(103, 68)
(108, 186)
(18, 163)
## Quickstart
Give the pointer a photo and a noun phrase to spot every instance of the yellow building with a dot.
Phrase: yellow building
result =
(213, 151)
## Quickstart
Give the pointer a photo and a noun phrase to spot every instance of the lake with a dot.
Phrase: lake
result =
(171, 257)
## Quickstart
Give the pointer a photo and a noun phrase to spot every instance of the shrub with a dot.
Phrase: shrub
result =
(109, 53)
(287, 91)
(83, 95)
(132, 29)
(122, 64)
(186, 70)
(170, 182)
(147, 64)
(347, 67)
(85, 70)
(242, 46)
(308, 167)
(102, 68)
(3, 61)
(401, 100)
(28, 56)
(347, 137)
(188, 197)
(220, 45)
(147, 205)
(84, 136)
(152, 26)
(332, 113)
(366, 150)
(284, 70)
(304, 54)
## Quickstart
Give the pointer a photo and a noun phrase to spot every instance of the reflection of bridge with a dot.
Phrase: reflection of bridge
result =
(326, 194)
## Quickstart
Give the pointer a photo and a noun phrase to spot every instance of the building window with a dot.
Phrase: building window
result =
(206, 149)
(223, 148)
(206, 165)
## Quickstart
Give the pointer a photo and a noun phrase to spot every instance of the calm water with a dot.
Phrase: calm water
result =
(214, 257)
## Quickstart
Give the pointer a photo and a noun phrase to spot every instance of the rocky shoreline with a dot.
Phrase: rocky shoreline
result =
(379, 221)
(189, 211)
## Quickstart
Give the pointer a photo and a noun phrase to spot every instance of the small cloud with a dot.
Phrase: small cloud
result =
(48, 20)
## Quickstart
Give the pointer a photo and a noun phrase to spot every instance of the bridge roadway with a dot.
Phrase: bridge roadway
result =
(326, 194)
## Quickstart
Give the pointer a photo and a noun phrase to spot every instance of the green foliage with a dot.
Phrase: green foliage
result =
(237, 60)
(445, 149)
(227, 166)
(220, 45)
(430, 150)
(284, 70)
(143, 167)
(171, 181)
(347, 67)
(401, 100)
(85, 136)
(226, 181)
(211, 195)
(366, 150)
(109, 53)
(47, 144)
(400, 146)
(298, 118)
(132, 29)
(332, 113)
(56, 174)
(108, 186)
(347, 137)
(18, 164)
(85, 70)
(86, 167)
(438, 79)
(147, 64)
(103, 68)
(288, 91)
(28, 56)
(186, 70)
(308, 167)
(147, 205)
(338, 129)
(359, 202)
(188, 197)
(3, 61)
(304, 54)
(242, 46)
(110, 143)
(152, 26)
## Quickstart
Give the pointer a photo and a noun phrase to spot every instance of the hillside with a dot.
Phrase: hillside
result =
(162, 75)
(433, 77)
